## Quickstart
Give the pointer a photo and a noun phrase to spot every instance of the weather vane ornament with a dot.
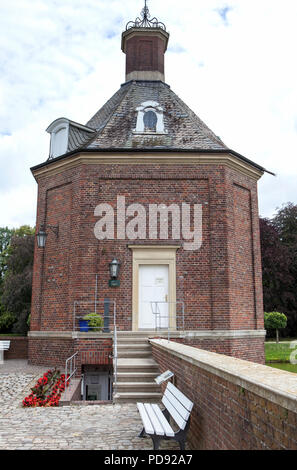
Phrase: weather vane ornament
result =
(145, 21)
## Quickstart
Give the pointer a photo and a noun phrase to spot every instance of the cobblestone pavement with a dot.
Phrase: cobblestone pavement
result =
(93, 427)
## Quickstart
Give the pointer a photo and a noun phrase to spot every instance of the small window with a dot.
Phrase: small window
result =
(150, 121)
(150, 118)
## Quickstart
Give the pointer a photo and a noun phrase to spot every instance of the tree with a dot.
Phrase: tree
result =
(279, 264)
(5, 237)
(278, 281)
(275, 321)
(17, 281)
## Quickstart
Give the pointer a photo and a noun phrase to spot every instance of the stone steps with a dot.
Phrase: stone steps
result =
(136, 387)
(131, 397)
(136, 370)
(136, 377)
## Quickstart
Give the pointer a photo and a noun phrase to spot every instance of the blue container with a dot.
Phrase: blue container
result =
(83, 325)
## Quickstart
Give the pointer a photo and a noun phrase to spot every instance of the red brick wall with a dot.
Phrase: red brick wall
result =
(249, 349)
(93, 351)
(53, 352)
(18, 347)
(65, 270)
(226, 416)
(145, 53)
(245, 270)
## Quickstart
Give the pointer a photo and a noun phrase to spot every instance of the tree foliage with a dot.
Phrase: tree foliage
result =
(279, 264)
(16, 281)
(275, 321)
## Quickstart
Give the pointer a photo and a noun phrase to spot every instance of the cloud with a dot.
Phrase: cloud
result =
(64, 59)
(223, 12)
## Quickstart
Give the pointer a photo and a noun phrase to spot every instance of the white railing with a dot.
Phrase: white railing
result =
(115, 359)
(167, 320)
(70, 368)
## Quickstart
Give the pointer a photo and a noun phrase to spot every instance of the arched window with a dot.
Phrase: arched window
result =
(150, 121)
(59, 131)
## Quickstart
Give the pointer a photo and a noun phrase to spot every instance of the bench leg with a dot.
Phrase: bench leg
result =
(142, 433)
(156, 442)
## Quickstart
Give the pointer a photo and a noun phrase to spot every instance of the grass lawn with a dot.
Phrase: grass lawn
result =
(278, 352)
(10, 334)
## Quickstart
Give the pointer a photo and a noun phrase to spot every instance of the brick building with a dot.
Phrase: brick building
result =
(111, 189)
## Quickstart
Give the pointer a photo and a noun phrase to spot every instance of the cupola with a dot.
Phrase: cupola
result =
(145, 42)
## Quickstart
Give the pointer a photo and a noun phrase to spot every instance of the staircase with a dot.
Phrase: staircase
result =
(136, 370)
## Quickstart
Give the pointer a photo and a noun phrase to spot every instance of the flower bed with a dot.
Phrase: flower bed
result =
(47, 391)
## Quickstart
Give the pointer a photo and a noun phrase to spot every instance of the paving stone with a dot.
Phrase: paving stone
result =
(100, 427)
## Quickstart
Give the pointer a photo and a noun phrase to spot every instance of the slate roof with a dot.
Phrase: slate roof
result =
(114, 123)
(116, 120)
(78, 137)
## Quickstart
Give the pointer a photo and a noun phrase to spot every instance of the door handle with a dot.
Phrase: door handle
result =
(166, 298)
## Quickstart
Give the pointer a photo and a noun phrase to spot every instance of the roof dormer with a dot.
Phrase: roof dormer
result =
(67, 135)
(59, 131)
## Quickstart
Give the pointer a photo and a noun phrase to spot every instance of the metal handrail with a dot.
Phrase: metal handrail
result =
(78, 303)
(158, 316)
(72, 369)
(115, 359)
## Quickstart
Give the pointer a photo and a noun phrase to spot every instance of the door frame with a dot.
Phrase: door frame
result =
(153, 255)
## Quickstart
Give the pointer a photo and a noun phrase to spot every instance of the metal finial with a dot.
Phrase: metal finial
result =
(145, 21)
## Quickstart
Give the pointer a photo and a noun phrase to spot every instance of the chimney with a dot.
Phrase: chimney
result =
(145, 42)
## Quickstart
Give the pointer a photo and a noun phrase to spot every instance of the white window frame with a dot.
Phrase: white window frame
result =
(144, 108)
(53, 129)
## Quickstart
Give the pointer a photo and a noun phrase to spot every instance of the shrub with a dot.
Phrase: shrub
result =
(96, 322)
(275, 321)
(7, 320)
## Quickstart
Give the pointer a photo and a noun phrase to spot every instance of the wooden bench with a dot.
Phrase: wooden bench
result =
(156, 423)
(4, 346)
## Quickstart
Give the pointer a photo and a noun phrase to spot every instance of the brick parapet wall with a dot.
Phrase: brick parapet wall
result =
(50, 352)
(54, 351)
(93, 351)
(249, 349)
(18, 347)
(237, 405)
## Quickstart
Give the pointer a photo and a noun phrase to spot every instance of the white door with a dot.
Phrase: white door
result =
(153, 287)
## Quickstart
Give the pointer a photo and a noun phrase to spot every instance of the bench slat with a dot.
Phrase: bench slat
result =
(166, 426)
(188, 404)
(154, 420)
(177, 405)
(149, 429)
(175, 415)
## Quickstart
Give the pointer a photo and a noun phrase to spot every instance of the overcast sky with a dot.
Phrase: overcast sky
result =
(234, 63)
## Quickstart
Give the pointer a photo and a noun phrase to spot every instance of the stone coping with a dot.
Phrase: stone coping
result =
(189, 334)
(69, 335)
(275, 385)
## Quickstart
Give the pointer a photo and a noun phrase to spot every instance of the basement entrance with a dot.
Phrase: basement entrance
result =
(96, 383)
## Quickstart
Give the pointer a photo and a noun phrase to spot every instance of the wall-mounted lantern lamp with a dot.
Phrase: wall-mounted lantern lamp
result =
(42, 235)
(114, 268)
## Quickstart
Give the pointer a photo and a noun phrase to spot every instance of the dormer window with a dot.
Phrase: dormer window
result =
(150, 119)
(59, 131)
(67, 136)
